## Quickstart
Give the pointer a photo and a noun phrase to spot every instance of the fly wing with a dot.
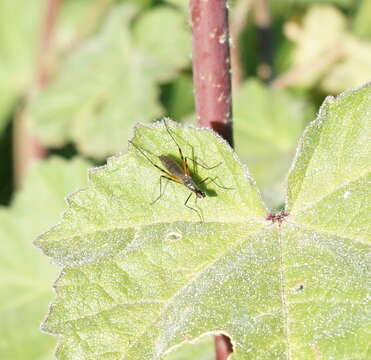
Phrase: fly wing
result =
(173, 167)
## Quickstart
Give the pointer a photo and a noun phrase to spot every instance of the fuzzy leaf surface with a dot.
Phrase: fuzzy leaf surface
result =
(141, 279)
(202, 349)
(329, 225)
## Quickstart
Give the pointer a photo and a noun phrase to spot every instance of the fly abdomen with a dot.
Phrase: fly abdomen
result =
(172, 166)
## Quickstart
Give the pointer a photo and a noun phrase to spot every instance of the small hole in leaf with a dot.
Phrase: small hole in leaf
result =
(223, 346)
(298, 288)
(173, 236)
(201, 348)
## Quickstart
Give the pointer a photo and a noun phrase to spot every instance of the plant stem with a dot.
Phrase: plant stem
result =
(49, 20)
(211, 65)
(26, 147)
(212, 83)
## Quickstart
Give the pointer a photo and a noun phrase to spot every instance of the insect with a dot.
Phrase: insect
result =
(178, 171)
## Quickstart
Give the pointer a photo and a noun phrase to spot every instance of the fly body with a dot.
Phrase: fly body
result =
(180, 173)
(174, 168)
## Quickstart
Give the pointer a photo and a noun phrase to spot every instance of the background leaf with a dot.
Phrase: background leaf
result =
(169, 25)
(72, 13)
(18, 38)
(352, 70)
(267, 126)
(327, 52)
(362, 19)
(26, 276)
(98, 94)
(178, 98)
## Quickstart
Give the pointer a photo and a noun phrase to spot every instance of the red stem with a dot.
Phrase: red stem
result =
(26, 147)
(212, 83)
(49, 20)
(211, 65)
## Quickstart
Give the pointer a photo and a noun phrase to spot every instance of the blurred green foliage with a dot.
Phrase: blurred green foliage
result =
(268, 123)
(26, 275)
(19, 29)
(117, 62)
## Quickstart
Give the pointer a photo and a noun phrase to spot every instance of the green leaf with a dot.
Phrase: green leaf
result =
(170, 27)
(76, 20)
(26, 276)
(267, 125)
(352, 70)
(179, 98)
(97, 95)
(327, 239)
(180, 4)
(332, 165)
(203, 349)
(79, 19)
(19, 31)
(282, 7)
(138, 280)
(277, 7)
(327, 53)
(362, 19)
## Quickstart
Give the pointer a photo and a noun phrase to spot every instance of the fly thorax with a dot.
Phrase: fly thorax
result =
(190, 184)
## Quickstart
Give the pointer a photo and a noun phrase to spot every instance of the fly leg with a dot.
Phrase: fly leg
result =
(203, 165)
(195, 162)
(199, 213)
(184, 159)
(214, 182)
(162, 192)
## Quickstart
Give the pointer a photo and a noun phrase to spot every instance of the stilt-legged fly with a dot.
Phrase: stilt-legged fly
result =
(178, 171)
